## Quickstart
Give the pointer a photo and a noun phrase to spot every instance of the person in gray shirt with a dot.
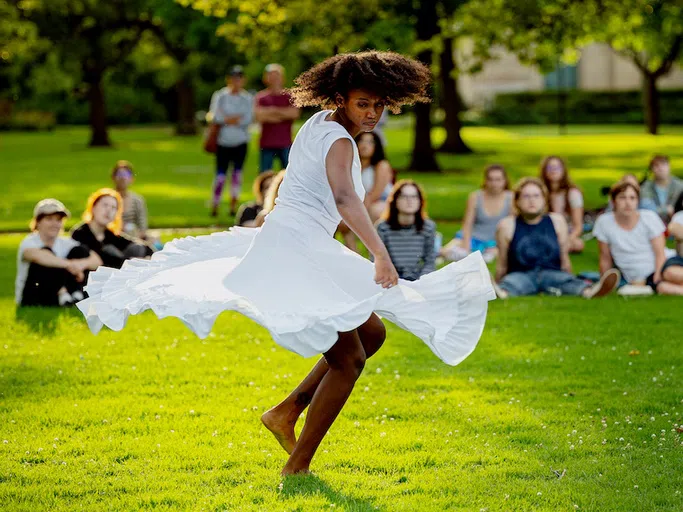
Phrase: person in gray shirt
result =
(232, 108)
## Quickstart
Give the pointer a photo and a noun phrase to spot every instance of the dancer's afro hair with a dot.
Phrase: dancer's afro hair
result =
(398, 79)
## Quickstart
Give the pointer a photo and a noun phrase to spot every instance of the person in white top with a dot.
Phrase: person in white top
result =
(51, 268)
(633, 241)
(312, 294)
(672, 271)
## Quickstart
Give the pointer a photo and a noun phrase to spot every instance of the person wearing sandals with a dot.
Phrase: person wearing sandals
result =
(534, 251)
(633, 241)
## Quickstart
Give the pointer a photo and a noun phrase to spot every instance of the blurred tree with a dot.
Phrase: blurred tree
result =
(93, 35)
(189, 39)
(650, 34)
(542, 32)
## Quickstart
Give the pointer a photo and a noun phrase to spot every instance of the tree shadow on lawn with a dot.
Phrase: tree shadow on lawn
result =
(44, 320)
(308, 485)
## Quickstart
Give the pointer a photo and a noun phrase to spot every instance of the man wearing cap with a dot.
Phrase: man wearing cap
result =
(51, 269)
(232, 108)
(273, 109)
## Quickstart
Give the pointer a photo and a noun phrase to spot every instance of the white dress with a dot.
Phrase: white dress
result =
(291, 276)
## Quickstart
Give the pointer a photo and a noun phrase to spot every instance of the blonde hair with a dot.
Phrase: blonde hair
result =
(115, 225)
(531, 181)
(258, 184)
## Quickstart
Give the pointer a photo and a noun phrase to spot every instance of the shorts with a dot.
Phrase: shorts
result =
(676, 261)
(477, 244)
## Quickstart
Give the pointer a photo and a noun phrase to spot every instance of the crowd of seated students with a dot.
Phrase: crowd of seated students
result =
(530, 231)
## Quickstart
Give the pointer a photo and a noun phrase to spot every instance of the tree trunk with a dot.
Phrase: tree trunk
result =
(186, 124)
(452, 104)
(99, 135)
(651, 103)
(423, 158)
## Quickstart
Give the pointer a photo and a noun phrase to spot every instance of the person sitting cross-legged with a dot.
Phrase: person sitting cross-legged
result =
(672, 271)
(51, 269)
(534, 252)
(633, 240)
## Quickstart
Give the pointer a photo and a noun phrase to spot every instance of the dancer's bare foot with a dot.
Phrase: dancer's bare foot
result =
(287, 471)
(282, 428)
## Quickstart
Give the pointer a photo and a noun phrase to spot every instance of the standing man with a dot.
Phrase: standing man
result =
(273, 109)
(231, 107)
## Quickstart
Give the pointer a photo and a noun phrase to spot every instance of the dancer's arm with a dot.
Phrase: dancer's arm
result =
(338, 163)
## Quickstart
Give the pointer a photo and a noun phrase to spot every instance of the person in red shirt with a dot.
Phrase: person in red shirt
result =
(273, 109)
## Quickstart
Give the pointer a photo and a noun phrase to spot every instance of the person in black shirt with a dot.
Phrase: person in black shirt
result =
(246, 215)
(101, 230)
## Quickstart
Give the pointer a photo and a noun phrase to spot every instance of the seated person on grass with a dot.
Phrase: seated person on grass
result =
(533, 249)
(633, 241)
(248, 212)
(51, 269)
(101, 230)
(672, 271)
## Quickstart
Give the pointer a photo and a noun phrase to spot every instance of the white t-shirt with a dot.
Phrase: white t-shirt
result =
(631, 250)
(61, 248)
(305, 187)
(678, 218)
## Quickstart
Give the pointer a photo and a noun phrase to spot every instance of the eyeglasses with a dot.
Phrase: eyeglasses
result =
(526, 197)
(409, 196)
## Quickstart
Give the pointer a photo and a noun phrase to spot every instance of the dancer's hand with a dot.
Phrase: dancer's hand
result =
(385, 272)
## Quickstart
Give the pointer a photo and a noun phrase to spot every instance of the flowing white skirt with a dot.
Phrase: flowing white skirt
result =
(295, 280)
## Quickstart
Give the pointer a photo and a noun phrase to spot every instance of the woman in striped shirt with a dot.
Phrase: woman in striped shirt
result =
(407, 232)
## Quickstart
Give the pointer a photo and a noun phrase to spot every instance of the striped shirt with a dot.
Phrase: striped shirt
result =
(412, 252)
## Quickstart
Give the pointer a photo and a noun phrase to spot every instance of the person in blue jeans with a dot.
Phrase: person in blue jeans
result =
(534, 251)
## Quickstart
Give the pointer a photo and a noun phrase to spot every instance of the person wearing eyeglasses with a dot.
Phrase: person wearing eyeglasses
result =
(534, 251)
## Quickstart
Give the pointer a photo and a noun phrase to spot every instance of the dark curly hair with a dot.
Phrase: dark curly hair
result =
(399, 80)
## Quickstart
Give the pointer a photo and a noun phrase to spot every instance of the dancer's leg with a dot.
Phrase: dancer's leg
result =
(280, 420)
(345, 360)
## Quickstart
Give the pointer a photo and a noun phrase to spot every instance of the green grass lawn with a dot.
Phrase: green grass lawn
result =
(565, 405)
(175, 176)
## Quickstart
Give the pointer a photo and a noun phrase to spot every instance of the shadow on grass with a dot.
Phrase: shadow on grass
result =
(44, 320)
(308, 485)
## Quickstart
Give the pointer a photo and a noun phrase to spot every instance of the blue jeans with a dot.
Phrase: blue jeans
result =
(533, 282)
(268, 157)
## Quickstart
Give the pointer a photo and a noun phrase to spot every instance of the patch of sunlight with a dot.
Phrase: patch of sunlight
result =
(157, 145)
(172, 191)
(598, 173)
(488, 134)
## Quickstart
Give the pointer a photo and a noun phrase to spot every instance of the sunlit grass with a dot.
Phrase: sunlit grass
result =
(175, 175)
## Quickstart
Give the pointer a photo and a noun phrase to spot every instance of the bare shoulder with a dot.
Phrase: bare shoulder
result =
(506, 227)
(559, 221)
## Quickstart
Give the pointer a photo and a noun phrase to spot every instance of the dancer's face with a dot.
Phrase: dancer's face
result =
(362, 108)
(104, 210)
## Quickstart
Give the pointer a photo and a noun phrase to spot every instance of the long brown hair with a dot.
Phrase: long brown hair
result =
(566, 183)
(496, 167)
(390, 214)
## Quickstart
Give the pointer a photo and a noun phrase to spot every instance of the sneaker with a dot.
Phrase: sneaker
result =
(77, 296)
(607, 284)
(500, 293)
(214, 211)
(489, 256)
(634, 290)
(65, 299)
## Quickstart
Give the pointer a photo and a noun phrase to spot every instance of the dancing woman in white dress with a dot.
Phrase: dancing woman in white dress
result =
(320, 297)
